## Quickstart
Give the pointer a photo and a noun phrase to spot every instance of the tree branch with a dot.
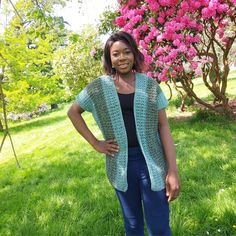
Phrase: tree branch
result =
(16, 11)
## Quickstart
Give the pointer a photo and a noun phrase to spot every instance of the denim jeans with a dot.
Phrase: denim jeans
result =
(139, 197)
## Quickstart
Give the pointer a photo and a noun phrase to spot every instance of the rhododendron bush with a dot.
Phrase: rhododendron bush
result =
(182, 40)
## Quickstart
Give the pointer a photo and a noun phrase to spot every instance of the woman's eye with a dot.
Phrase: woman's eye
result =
(115, 55)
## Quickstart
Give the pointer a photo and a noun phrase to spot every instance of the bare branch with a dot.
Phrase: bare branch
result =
(16, 11)
(4, 59)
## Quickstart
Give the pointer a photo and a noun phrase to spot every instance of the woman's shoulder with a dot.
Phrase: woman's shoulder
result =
(96, 84)
(100, 79)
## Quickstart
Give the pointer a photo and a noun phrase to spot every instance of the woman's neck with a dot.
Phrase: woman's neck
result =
(126, 77)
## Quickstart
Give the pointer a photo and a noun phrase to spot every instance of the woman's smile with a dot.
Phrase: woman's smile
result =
(122, 57)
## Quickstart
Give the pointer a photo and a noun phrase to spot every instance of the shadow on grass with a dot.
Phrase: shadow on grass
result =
(67, 193)
(60, 198)
(206, 168)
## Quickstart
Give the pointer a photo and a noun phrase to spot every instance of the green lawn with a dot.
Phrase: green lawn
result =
(61, 187)
(201, 90)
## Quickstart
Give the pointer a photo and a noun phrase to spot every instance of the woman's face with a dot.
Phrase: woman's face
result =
(122, 58)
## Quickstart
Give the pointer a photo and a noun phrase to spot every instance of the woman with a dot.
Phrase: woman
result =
(129, 108)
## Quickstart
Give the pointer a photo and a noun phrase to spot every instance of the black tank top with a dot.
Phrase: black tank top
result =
(127, 105)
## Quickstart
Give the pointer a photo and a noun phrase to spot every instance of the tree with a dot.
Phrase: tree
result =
(106, 21)
(27, 47)
(184, 39)
(80, 61)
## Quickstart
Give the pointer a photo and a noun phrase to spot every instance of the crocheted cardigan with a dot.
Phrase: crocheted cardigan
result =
(100, 97)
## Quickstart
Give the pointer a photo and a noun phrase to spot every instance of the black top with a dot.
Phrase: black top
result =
(127, 105)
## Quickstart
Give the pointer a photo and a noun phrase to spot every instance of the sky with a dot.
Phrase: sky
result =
(87, 14)
(76, 16)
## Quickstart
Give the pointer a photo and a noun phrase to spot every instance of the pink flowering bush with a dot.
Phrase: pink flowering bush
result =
(172, 34)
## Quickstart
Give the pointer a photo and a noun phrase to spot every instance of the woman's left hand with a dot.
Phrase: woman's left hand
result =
(172, 185)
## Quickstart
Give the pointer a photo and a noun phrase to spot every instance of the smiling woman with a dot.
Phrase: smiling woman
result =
(129, 108)
(122, 58)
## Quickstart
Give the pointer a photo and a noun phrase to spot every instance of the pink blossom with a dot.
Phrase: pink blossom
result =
(149, 74)
(194, 65)
(136, 19)
(144, 27)
(147, 39)
(136, 34)
(155, 31)
(120, 21)
(143, 44)
(225, 41)
(93, 52)
(163, 78)
(224, 23)
(200, 27)
(180, 12)
(161, 20)
(159, 51)
(230, 12)
(183, 48)
(173, 74)
(168, 2)
(154, 6)
(170, 12)
(132, 3)
(197, 39)
(155, 74)
(143, 8)
(152, 20)
(197, 4)
(192, 52)
(128, 27)
(220, 32)
(208, 12)
(159, 38)
(170, 28)
(193, 24)
(186, 20)
(173, 54)
(198, 72)
(222, 8)
(184, 5)
(176, 43)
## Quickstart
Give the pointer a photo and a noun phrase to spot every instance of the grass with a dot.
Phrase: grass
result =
(62, 189)
(202, 92)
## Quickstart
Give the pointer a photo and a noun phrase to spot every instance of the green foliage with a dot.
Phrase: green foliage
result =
(27, 50)
(44, 63)
(178, 101)
(205, 115)
(80, 61)
(107, 18)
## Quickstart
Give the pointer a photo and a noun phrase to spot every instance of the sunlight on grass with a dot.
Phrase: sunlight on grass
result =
(62, 189)
(201, 90)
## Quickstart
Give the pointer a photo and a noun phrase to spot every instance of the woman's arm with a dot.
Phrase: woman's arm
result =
(109, 147)
(172, 178)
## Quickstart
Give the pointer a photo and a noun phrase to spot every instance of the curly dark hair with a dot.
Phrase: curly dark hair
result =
(130, 42)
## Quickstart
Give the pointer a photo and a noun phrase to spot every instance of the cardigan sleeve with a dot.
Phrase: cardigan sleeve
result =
(84, 100)
(162, 102)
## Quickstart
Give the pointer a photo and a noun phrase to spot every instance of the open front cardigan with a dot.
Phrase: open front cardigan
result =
(100, 97)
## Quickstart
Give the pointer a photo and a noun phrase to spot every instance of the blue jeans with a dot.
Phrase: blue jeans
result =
(139, 196)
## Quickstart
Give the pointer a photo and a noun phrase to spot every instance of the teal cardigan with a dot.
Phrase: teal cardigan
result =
(101, 99)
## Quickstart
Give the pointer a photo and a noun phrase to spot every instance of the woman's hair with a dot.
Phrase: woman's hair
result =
(130, 42)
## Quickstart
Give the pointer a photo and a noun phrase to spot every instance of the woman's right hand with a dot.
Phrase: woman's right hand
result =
(109, 147)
